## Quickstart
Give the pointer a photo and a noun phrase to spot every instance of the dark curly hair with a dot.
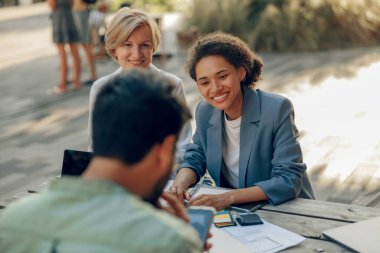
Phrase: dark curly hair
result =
(232, 48)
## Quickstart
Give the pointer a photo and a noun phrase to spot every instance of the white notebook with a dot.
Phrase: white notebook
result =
(362, 236)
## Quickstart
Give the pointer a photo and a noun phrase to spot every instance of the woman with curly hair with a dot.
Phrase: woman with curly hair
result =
(245, 138)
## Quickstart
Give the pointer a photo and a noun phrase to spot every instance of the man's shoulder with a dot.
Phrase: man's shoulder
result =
(19, 210)
(168, 231)
(135, 224)
(139, 227)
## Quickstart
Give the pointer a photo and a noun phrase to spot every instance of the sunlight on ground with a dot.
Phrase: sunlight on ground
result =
(54, 123)
(27, 51)
(340, 119)
(22, 11)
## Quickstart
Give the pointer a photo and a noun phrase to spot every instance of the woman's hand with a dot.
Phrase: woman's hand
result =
(180, 192)
(174, 207)
(184, 178)
(221, 201)
(218, 201)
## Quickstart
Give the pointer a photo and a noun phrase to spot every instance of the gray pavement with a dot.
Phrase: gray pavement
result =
(334, 94)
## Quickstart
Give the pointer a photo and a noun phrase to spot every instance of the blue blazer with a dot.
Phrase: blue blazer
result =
(270, 155)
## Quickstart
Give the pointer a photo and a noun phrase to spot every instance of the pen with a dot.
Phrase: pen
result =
(238, 209)
(257, 207)
(194, 190)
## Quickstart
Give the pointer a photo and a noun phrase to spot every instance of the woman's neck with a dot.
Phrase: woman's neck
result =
(236, 108)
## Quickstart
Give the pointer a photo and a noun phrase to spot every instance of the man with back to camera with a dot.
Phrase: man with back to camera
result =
(112, 207)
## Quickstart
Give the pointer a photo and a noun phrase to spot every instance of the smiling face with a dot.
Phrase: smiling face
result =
(219, 83)
(137, 50)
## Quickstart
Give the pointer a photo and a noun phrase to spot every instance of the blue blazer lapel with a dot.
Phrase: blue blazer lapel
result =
(214, 145)
(248, 130)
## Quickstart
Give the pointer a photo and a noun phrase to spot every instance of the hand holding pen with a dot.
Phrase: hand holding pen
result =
(180, 192)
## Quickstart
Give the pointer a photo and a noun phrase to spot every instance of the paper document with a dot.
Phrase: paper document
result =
(207, 190)
(222, 242)
(266, 238)
(201, 190)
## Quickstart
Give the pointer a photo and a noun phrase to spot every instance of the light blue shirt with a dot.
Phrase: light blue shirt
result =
(79, 215)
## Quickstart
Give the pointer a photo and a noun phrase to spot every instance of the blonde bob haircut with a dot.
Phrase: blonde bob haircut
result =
(124, 22)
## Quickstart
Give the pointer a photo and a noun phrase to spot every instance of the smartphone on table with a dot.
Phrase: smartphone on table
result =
(201, 218)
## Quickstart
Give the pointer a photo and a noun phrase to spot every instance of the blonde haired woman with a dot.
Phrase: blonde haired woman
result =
(132, 37)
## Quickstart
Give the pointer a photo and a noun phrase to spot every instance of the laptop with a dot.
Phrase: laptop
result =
(75, 162)
(362, 236)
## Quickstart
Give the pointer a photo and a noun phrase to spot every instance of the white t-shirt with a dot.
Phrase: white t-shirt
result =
(231, 150)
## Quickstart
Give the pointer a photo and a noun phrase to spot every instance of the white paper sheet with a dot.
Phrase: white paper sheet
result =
(222, 242)
(201, 190)
(266, 238)
(207, 190)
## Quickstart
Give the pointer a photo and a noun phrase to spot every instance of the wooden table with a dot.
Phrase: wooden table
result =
(308, 218)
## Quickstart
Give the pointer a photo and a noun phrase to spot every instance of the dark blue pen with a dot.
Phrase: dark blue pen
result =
(257, 207)
(238, 209)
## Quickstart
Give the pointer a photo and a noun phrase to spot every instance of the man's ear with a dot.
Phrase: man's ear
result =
(166, 151)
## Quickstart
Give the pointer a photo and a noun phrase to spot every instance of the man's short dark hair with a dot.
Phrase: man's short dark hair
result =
(134, 111)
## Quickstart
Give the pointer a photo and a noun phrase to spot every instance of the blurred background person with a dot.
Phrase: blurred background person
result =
(65, 32)
(97, 23)
(132, 37)
(81, 15)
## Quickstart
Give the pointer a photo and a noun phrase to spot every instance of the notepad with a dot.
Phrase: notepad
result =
(223, 219)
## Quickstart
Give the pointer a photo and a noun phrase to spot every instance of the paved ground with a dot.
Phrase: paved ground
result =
(335, 95)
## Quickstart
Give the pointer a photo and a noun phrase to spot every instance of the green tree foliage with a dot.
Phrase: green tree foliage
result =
(146, 5)
(291, 25)
(225, 15)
